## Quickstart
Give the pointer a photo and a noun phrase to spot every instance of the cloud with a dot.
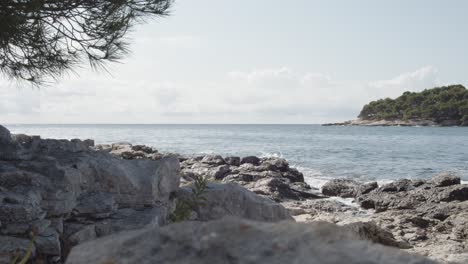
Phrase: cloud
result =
(275, 95)
(426, 77)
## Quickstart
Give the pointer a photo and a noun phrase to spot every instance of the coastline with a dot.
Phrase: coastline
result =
(408, 123)
(73, 193)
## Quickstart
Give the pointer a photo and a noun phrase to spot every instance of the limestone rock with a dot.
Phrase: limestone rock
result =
(234, 200)
(239, 241)
(251, 160)
(340, 187)
(445, 179)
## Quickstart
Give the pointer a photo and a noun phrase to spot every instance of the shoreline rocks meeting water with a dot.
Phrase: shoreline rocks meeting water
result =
(111, 204)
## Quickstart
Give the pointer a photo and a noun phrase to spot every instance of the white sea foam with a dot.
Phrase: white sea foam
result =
(271, 154)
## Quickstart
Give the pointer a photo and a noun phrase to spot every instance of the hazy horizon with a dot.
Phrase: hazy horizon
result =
(262, 62)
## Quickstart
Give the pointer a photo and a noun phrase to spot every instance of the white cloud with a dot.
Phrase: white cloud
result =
(426, 77)
(277, 95)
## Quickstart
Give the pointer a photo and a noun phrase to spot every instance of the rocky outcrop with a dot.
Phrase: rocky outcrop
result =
(270, 177)
(240, 241)
(428, 217)
(396, 122)
(65, 193)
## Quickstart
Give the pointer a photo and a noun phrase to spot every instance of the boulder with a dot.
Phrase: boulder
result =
(445, 179)
(68, 193)
(232, 160)
(5, 135)
(280, 189)
(344, 188)
(275, 164)
(239, 241)
(233, 200)
(251, 160)
(7, 145)
(213, 160)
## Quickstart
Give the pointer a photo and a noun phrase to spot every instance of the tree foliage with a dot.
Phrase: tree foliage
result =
(40, 39)
(437, 104)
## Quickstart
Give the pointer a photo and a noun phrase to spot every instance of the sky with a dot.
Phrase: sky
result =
(259, 61)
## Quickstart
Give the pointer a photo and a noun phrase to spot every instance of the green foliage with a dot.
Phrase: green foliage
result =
(45, 38)
(437, 104)
(184, 207)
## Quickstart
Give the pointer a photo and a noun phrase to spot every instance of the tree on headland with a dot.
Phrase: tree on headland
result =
(438, 104)
(42, 39)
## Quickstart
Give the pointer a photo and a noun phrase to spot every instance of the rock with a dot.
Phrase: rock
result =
(366, 188)
(239, 241)
(233, 161)
(370, 231)
(279, 190)
(48, 243)
(398, 186)
(213, 160)
(95, 205)
(7, 145)
(294, 175)
(453, 193)
(233, 200)
(5, 135)
(344, 188)
(318, 207)
(445, 179)
(75, 233)
(221, 172)
(144, 149)
(69, 193)
(251, 160)
(130, 219)
(12, 246)
(275, 164)
(89, 143)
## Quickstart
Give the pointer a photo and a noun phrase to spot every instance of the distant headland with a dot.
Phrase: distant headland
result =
(440, 106)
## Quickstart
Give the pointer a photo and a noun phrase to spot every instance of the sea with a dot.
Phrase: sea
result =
(382, 154)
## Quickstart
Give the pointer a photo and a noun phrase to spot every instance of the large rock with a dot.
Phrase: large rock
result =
(445, 179)
(7, 146)
(48, 185)
(234, 200)
(239, 241)
(340, 187)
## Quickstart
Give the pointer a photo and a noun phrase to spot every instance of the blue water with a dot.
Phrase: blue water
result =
(321, 153)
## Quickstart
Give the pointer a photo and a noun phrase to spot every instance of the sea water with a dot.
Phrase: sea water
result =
(321, 153)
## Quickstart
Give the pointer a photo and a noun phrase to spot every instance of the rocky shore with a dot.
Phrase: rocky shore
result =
(363, 122)
(80, 203)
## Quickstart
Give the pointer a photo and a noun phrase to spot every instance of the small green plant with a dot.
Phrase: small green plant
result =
(25, 258)
(184, 207)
